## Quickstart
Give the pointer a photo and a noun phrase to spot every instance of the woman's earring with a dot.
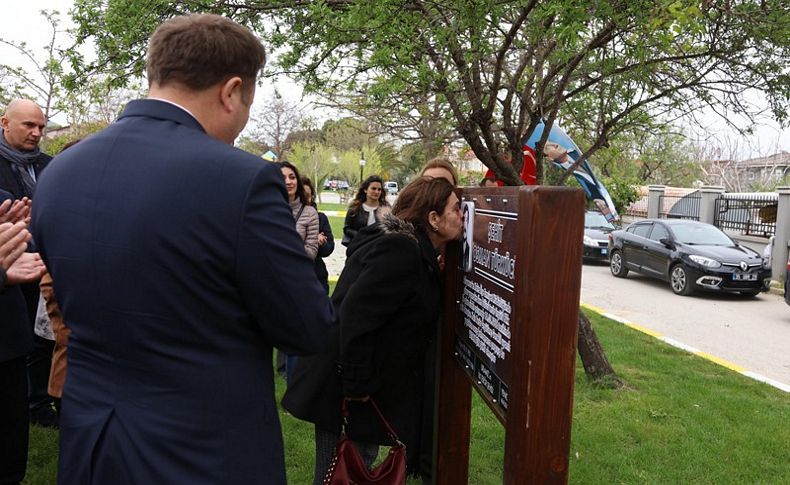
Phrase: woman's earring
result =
(435, 229)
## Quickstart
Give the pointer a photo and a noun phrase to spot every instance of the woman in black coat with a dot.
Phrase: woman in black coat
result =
(368, 207)
(388, 300)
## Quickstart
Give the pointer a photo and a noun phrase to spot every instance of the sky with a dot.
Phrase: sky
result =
(29, 26)
(26, 24)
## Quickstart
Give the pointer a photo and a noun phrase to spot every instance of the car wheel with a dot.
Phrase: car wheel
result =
(679, 280)
(617, 265)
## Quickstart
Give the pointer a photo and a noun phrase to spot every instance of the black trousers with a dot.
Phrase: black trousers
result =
(39, 363)
(14, 424)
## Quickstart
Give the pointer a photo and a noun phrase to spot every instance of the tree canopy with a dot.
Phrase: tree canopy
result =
(493, 69)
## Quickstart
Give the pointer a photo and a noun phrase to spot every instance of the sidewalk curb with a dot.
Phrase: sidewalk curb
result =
(668, 340)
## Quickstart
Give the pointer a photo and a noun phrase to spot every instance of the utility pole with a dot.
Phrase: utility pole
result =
(362, 163)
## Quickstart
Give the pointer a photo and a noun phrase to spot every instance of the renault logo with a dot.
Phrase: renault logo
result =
(744, 266)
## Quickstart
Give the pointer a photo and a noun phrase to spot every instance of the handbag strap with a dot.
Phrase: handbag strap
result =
(390, 431)
(299, 214)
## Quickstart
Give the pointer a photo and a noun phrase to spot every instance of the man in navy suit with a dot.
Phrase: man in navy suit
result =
(177, 267)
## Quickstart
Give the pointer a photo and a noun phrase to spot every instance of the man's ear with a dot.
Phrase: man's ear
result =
(228, 90)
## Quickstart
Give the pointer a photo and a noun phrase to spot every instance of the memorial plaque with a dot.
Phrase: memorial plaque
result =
(511, 309)
(487, 284)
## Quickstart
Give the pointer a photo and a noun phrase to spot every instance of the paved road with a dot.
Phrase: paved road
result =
(751, 333)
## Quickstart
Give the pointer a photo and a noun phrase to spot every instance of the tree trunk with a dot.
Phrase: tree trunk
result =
(594, 360)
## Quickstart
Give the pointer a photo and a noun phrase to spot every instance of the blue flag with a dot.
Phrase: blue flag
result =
(560, 148)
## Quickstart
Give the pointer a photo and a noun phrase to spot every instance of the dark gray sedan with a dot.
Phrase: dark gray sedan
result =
(596, 236)
(689, 255)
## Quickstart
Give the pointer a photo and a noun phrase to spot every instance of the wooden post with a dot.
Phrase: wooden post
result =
(510, 330)
(454, 392)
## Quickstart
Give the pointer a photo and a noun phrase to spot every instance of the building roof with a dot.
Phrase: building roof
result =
(780, 159)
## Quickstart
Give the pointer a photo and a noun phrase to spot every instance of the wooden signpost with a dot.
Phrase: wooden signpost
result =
(511, 308)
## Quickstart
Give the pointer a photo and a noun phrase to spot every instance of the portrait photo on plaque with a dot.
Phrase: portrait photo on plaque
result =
(468, 210)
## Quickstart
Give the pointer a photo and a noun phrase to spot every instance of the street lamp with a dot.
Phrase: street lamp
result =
(362, 163)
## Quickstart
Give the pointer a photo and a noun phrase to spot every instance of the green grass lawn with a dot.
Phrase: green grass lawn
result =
(337, 228)
(682, 420)
(332, 207)
(334, 221)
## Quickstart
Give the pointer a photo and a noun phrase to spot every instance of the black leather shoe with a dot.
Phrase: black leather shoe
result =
(45, 416)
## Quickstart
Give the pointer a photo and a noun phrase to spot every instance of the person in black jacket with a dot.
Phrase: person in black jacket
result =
(16, 267)
(388, 301)
(21, 164)
(368, 207)
(326, 241)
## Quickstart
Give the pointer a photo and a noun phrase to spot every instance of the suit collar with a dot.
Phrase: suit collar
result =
(160, 109)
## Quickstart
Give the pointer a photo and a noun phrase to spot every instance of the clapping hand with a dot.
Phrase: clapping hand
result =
(19, 266)
(13, 242)
(27, 268)
(16, 211)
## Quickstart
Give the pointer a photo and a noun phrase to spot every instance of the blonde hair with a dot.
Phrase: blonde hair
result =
(441, 162)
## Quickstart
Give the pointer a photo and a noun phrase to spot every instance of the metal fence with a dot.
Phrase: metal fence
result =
(638, 208)
(679, 207)
(751, 214)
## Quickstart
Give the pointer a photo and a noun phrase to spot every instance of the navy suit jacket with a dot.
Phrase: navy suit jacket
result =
(177, 267)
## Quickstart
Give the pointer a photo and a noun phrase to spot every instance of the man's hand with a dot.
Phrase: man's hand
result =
(321, 238)
(13, 242)
(16, 211)
(28, 268)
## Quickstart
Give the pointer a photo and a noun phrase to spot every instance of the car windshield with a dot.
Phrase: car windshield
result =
(596, 220)
(701, 234)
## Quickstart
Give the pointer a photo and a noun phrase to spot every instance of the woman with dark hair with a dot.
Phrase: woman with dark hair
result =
(305, 215)
(388, 301)
(326, 242)
(367, 207)
(306, 220)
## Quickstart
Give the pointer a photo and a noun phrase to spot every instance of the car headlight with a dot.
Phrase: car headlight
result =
(703, 261)
(588, 241)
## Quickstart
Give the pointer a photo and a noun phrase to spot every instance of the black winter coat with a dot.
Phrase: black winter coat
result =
(11, 183)
(324, 250)
(388, 301)
(18, 303)
(356, 221)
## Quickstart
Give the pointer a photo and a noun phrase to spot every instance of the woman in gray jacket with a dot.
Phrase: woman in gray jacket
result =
(306, 219)
(305, 215)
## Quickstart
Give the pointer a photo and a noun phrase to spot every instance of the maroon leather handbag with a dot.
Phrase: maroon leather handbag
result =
(348, 468)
